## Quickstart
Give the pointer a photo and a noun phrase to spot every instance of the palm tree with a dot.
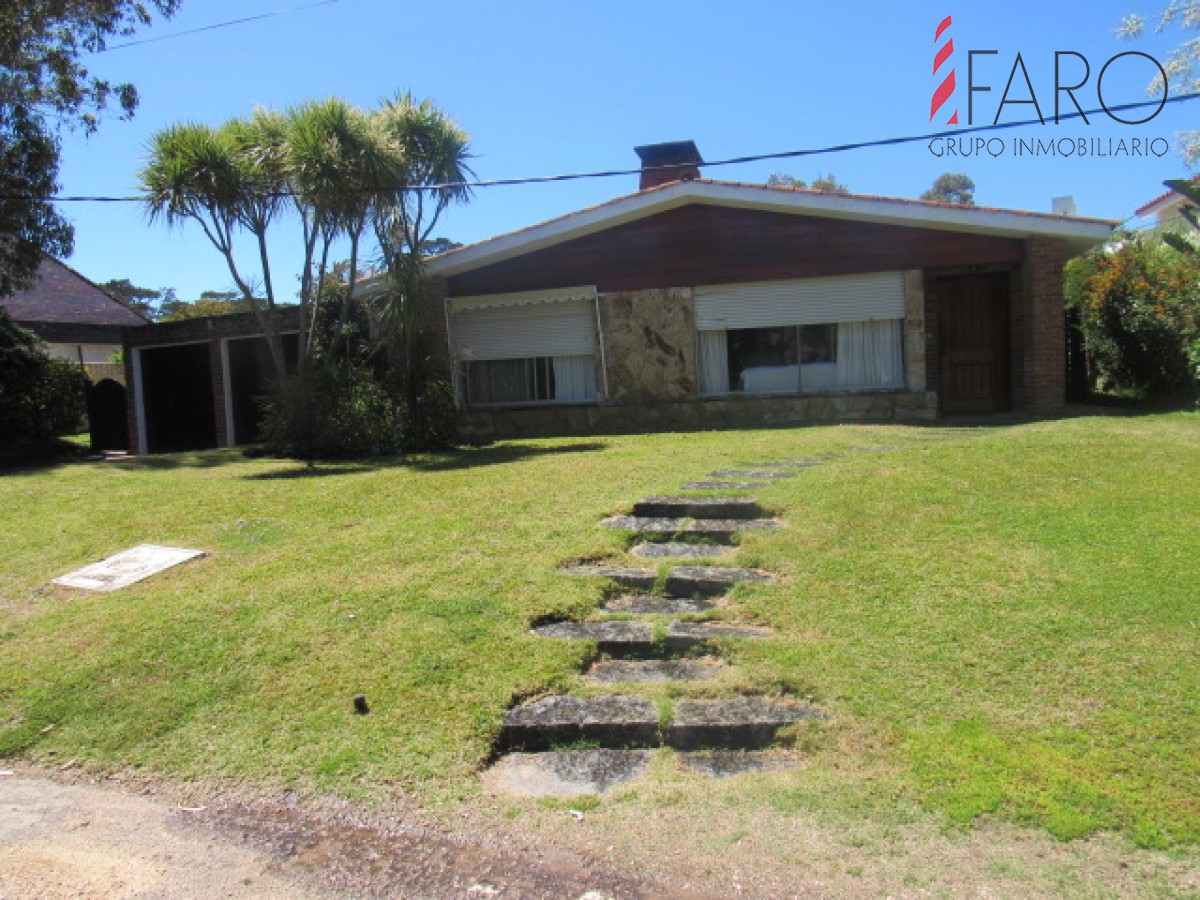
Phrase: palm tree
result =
(346, 173)
(342, 173)
(434, 152)
(211, 176)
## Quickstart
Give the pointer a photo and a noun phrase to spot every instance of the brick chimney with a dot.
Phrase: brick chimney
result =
(665, 163)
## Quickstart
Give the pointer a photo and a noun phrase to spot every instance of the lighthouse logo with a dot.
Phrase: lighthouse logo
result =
(944, 90)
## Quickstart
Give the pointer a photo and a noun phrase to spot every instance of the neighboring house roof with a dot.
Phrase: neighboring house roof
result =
(1163, 202)
(1080, 233)
(62, 296)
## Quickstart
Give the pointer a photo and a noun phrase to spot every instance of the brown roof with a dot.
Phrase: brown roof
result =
(788, 189)
(62, 295)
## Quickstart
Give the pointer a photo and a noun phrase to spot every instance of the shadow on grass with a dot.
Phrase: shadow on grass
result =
(436, 462)
(493, 455)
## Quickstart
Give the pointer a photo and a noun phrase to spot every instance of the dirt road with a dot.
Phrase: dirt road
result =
(87, 841)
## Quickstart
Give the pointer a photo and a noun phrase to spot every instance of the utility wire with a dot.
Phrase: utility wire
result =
(214, 27)
(737, 160)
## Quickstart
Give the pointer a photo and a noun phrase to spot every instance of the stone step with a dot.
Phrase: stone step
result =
(619, 670)
(723, 763)
(662, 525)
(682, 581)
(565, 773)
(643, 579)
(743, 723)
(617, 638)
(655, 605)
(750, 475)
(554, 722)
(723, 485)
(784, 464)
(710, 581)
(698, 508)
(675, 549)
(684, 636)
(574, 773)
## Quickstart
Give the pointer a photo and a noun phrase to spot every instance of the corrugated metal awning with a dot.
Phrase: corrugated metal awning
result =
(522, 298)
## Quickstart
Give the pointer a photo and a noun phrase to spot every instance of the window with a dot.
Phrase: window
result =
(531, 347)
(784, 358)
(818, 344)
(794, 358)
(539, 379)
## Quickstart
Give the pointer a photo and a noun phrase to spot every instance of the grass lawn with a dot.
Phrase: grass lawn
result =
(1002, 621)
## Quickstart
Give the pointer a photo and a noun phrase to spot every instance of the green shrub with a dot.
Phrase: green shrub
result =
(433, 424)
(40, 397)
(336, 411)
(1139, 305)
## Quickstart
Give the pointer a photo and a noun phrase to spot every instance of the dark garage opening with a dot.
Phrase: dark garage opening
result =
(250, 374)
(108, 421)
(178, 396)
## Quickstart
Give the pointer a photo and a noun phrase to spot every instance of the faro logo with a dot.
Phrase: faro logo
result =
(1072, 73)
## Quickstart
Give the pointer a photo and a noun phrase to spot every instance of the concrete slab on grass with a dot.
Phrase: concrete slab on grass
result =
(127, 567)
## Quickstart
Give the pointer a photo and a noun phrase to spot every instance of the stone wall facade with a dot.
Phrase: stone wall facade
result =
(694, 414)
(649, 345)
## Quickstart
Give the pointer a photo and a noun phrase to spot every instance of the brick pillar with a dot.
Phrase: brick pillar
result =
(1043, 345)
(914, 330)
(434, 296)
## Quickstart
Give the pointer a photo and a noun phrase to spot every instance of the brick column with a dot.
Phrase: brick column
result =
(914, 330)
(434, 296)
(1043, 348)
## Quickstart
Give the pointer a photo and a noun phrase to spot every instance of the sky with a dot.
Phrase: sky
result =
(560, 87)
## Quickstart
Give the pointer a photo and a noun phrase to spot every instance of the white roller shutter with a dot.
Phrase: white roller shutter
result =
(805, 301)
(560, 328)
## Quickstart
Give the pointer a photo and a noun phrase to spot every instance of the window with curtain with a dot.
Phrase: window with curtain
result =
(797, 358)
(540, 379)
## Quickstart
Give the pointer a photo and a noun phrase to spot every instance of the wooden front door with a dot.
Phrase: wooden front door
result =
(973, 326)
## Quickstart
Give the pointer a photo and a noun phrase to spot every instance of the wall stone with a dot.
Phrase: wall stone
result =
(693, 414)
(649, 345)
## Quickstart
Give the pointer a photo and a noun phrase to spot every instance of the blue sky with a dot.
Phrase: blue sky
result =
(549, 87)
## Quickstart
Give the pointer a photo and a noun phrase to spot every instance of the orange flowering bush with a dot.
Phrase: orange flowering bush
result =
(1139, 304)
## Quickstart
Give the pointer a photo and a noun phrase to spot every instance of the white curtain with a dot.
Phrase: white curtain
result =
(869, 354)
(574, 377)
(714, 363)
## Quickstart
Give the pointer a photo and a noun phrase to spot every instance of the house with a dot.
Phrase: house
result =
(703, 303)
(78, 320)
(1167, 207)
(696, 303)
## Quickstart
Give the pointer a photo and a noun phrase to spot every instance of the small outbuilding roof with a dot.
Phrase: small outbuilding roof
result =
(62, 296)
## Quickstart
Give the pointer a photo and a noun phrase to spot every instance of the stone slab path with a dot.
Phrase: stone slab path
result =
(563, 745)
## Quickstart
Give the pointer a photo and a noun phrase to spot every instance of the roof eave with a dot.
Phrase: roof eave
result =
(1079, 233)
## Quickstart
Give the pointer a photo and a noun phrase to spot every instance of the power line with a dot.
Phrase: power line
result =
(737, 160)
(214, 27)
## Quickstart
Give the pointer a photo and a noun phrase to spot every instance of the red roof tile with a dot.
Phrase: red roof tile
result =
(1145, 208)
